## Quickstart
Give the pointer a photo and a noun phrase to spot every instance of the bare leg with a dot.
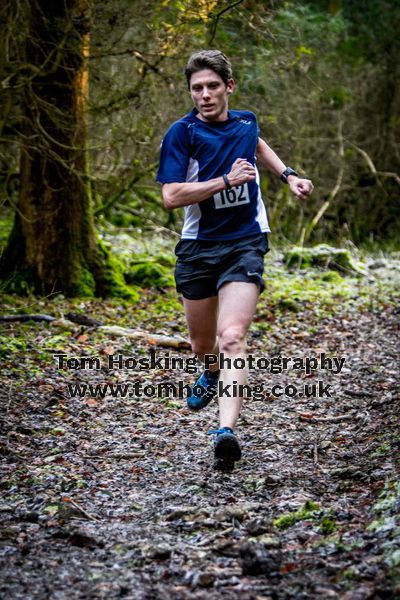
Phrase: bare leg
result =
(201, 317)
(237, 305)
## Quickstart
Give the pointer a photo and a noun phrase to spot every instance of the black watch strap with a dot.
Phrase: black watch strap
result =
(288, 171)
(226, 181)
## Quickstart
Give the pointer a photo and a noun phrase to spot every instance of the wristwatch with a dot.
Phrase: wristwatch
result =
(226, 181)
(288, 171)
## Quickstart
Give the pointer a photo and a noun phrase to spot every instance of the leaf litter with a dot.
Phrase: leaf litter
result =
(117, 497)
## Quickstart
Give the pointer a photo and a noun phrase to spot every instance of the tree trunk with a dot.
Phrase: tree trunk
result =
(53, 245)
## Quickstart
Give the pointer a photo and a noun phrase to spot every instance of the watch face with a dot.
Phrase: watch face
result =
(286, 173)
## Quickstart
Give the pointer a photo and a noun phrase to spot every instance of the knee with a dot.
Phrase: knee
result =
(232, 339)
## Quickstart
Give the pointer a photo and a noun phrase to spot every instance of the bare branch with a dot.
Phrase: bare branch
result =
(217, 18)
(306, 231)
(371, 165)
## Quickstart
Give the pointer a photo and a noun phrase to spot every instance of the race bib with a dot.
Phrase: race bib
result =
(234, 197)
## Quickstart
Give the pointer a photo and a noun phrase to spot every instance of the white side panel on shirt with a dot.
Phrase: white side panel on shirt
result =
(192, 212)
(261, 217)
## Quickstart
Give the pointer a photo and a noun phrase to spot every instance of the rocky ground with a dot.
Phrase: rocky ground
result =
(117, 497)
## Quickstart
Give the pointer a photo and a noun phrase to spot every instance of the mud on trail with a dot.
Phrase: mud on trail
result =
(117, 497)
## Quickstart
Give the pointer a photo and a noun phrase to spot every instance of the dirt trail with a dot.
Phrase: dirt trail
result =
(110, 498)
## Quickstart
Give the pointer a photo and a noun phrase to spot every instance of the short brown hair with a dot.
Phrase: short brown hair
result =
(209, 59)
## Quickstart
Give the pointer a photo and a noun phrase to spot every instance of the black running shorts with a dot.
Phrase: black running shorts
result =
(203, 267)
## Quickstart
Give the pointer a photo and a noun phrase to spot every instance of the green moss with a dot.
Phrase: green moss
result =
(386, 522)
(319, 291)
(388, 499)
(381, 450)
(332, 277)
(351, 574)
(287, 303)
(166, 260)
(322, 256)
(9, 346)
(328, 525)
(149, 274)
(6, 224)
(308, 511)
(110, 281)
(86, 272)
(336, 539)
(393, 560)
(286, 521)
(123, 219)
(83, 284)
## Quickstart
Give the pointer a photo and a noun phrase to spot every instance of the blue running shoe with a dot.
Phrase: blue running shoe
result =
(204, 390)
(226, 449)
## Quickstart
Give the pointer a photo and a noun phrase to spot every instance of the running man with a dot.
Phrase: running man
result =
(208, 166)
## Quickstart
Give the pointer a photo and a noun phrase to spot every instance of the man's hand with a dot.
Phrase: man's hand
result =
(301, 188)
(241, 172)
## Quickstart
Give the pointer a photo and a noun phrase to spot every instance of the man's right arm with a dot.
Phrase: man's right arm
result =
(177, 194)
(183, 194)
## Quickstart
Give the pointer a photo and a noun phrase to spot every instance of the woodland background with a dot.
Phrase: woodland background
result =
(89, 89)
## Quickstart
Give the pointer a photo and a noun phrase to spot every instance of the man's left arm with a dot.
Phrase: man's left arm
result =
(269, 160)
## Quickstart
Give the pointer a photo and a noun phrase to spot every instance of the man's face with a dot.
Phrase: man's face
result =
(210, 95)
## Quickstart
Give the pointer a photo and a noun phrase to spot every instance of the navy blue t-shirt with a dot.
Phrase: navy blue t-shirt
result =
(195, 150)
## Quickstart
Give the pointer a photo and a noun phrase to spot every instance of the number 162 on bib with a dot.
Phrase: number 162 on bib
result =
(235, 196)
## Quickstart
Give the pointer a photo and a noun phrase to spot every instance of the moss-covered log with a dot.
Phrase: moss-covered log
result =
(324, 256)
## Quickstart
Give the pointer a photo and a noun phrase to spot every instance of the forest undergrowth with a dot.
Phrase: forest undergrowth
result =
(116, 497)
